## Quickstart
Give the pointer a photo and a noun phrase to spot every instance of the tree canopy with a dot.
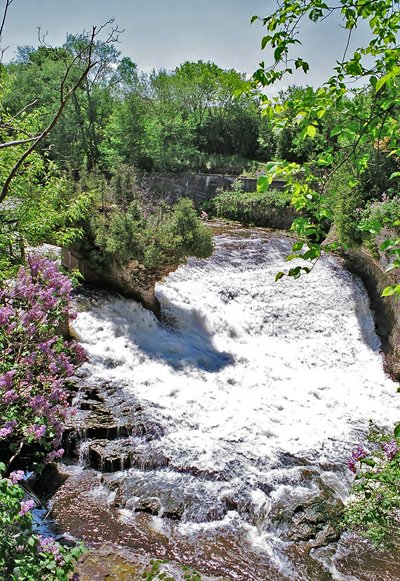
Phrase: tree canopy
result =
(358, 161)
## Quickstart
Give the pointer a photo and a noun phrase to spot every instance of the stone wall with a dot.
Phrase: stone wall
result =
(197, 187)
(385, 309)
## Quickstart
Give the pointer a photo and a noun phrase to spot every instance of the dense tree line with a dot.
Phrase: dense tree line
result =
(188, 118)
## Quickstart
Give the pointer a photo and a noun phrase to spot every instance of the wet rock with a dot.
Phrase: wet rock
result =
(132, 280)
(150, 505)
(372, 272)
(123, 453)
(181, 497)
(106, 412)
(104, 456)
(311, 517)
(93, 420)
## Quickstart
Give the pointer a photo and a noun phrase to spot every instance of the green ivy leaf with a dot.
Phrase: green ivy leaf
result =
(265, 41)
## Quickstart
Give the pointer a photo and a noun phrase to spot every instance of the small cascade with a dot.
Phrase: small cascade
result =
(83, 456)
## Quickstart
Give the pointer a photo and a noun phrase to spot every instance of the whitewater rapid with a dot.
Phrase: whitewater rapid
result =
(244, 367)
(254, 393)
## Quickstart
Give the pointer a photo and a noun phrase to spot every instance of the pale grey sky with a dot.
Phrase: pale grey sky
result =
(165, 33)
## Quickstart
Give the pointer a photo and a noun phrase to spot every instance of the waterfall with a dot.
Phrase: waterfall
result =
(261, 388)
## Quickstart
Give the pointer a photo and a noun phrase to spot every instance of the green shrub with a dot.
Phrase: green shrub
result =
(385, 213)
(126, 225)
(25, 555)
(260, 209)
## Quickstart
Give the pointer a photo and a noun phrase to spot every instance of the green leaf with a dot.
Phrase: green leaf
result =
(373, 80)
(265, 40)
(279, 275)
(391, 290)
(311, 131)
(295, 272)
(279, 51)
(383, 80)
(387, 244)
(397, 431)
(325, 159)
(372, 226)
(253, 19)
(326, 213)
(51, 566)
(263, 183)
(393, 265)
(336, 131)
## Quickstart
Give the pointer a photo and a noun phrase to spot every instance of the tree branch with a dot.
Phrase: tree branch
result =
(3, 20)
(18, 142)
(22, 110)
(64, 99)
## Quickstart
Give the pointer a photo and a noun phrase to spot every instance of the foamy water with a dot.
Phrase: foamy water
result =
(243, 374)
(246, 366)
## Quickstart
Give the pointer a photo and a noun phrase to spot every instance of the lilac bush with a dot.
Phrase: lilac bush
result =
(374, 507)
(24, 554)
(35, 363)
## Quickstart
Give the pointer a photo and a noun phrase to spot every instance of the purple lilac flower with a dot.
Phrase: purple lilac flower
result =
(7, 429)
(38, 403)
(356, 455)
(79, 353)
(9, 397)
(37, 430)
(390, 449)
(26, 506)
(48, 545)
(55, 454)
(45, 346)
(6, 313)
(6, 379)
(16, 476)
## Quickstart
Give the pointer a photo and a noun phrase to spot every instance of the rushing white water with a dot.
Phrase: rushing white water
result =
(245, 371)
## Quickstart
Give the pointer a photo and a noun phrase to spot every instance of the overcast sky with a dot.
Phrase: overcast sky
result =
(164, 33)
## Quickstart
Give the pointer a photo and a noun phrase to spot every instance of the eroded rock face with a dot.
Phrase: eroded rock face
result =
(110, 427)
(132, 280)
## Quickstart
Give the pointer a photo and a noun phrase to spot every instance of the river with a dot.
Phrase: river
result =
(255, 392)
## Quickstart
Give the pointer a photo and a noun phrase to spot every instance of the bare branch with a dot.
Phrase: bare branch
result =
(22, 111)
(16, 454)
(64, 99)
(42, 38)
(18, 142)
(3, 20)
